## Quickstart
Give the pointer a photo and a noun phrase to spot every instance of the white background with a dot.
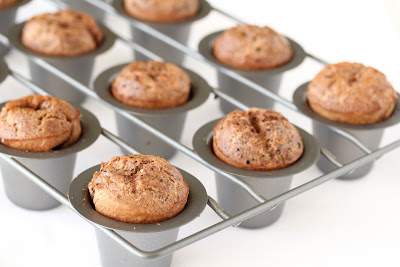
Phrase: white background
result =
(340, 223)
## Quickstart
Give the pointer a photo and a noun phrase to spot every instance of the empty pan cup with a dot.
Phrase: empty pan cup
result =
(269, 79)
(56, 167)
(78, 67)
(7, 18)
(147, 237)
(169, 121)
(179, 31)
(341, 148)
(3, 71)
(233, 198)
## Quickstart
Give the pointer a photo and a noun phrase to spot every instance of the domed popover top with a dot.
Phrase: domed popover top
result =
(351, 93)
(252, 47)
(257, 139)
(7, 3)
(64, 33)
(151, 85)
(162, 10)
(39, 123)
(138, 189)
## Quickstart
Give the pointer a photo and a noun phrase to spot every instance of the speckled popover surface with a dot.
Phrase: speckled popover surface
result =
(351, 93)
(64, 33)
(252, 47)
(7, 3)
(151, 85)
(138, 189)
(164, 11)
(39, 123)
(257, 139)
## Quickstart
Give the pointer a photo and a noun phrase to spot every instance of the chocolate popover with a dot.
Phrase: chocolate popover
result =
(7, 3)
(38, 123)
(164, 11)
(351, 93)
(138, 189)
(252, 47)
(64, 33)
(151, 85)
(257, 139)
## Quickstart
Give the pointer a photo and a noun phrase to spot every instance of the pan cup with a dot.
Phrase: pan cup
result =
(56, 167)
(269, 79)
(179, 31)
(84, 6)
(233, 198)
(78, 67)
(147, 237)
(3, 70)
(7, 18)
(341, 148)
(169, 121)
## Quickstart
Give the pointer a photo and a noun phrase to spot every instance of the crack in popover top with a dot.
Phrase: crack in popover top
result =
(152, 85)
(351, 93)
(39, 123)
(252, 47)
(64, 33)
(162, 10)
(138, 189)
(257, 139)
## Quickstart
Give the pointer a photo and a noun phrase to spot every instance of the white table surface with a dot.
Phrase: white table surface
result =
(340, 223)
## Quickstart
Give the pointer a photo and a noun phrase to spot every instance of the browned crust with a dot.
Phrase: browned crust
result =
(351, 93)
(39, 123)
(64, 33)
(252, 47)
(165, 11)
(258, 139)
(151, 85)
(7, 3)
(138, 189)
